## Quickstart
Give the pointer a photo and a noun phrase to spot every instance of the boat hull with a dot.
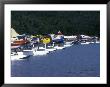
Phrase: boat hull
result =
(19, 55)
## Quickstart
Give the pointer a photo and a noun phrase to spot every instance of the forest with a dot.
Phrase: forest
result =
(46, 22)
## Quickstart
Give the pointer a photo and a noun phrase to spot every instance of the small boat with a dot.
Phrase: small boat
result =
(19, 42)
(18, 55)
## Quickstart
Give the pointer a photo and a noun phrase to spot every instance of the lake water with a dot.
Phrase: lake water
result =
(74, 61)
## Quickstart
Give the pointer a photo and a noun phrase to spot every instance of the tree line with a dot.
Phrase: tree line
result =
(45, 22)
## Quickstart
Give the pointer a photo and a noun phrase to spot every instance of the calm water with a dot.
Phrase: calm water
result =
(76, 61)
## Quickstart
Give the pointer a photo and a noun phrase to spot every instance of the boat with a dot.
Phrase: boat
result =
(18, 55)
(59, 38)
(19, 42)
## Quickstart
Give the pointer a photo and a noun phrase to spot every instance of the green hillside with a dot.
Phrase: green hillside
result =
(68, 22)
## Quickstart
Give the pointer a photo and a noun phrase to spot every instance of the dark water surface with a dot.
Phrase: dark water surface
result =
(74, 61)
